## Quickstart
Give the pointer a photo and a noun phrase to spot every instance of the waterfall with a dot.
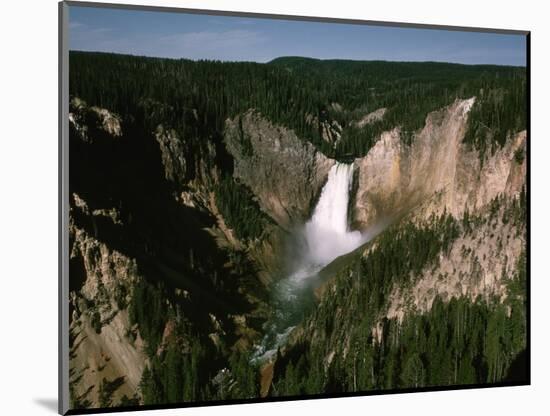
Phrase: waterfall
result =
(324, 237)
(327, 234)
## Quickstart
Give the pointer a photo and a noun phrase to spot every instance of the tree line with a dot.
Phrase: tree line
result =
(196, 97)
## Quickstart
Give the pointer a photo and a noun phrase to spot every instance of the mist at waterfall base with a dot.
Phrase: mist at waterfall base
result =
(322, 239)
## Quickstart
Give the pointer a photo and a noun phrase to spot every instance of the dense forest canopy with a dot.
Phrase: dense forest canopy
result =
(196, 97)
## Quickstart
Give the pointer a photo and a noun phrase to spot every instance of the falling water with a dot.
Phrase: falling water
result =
(327, 234)
(324, 237)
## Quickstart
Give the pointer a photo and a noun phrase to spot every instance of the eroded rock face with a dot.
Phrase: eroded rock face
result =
(437, 170)
(103, 344)
(476, 265)
(440, 174)
(371, 117)
(173, 154)
(285, 173)
(115, 237)
(331, 131)
(83, 117)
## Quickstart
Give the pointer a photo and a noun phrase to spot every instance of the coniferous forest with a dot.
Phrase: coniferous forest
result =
(188, 221)
(196, 97)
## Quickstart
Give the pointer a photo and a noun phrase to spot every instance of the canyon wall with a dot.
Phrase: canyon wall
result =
(437, 173)
(285, 173)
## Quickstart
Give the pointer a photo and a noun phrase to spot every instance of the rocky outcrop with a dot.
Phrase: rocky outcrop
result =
(173, 152)
(285, 173)
(105, 350)
(330, 130)
(438, 170)
(477, 264)
(84, 117)
(371, 117)
(188, 164)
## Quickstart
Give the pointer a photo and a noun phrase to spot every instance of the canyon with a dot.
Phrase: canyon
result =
(249, 261)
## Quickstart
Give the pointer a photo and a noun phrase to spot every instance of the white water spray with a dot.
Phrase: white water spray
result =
(327, 234)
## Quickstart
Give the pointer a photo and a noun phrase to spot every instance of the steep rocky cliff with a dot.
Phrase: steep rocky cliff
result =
(145, 233)
(106, 351)
(437, 171)
(285, 173)
(477, 263)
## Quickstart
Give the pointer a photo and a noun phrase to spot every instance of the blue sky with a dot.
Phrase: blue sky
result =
(192, 36)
